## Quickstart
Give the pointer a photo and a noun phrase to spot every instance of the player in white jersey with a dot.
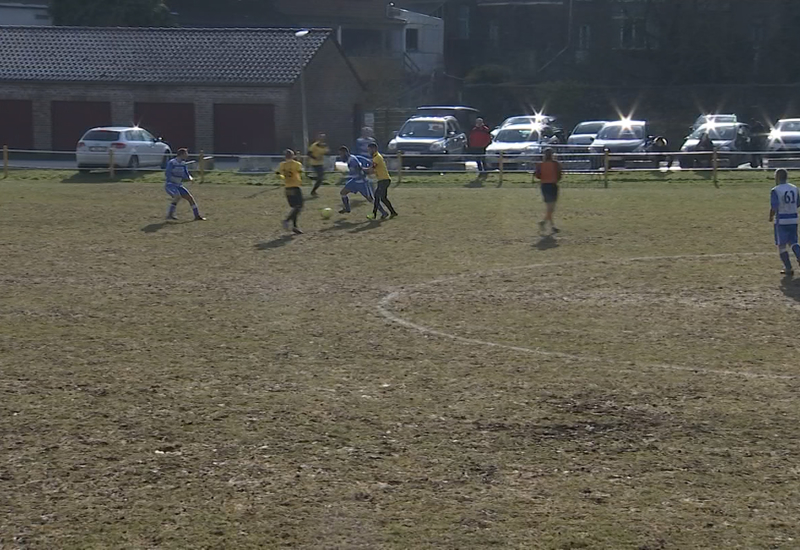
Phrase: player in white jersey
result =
(784, 203)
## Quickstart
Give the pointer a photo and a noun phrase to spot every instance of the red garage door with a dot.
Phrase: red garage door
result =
(71, 119)
(16, 123)
(244, 129)
(173, 122)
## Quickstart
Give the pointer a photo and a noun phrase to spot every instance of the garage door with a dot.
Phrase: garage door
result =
(16, 128)
(244, 129)
(173, 122)
(71, 119)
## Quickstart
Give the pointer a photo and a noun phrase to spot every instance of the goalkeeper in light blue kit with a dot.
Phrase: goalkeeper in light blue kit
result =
(784, 203)
(177, 171)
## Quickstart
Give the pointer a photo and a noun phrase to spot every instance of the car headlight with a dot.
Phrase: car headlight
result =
(437, 146)
(393, 145)
(774, 135)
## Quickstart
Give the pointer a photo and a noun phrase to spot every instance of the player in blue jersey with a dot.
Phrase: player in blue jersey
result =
(357, 180)
(176, 173)
(784, 203)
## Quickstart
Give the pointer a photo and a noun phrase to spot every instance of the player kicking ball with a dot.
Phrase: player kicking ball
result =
(784, 203)
(176, 173)
(291, 172)
(356, 181)
(384, 181)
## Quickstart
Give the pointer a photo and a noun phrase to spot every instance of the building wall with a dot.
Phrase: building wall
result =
(11, 14)
(122, 99)
(429, 55)
(333, 94)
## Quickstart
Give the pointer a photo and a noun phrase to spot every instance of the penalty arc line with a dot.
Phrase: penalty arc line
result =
(385, 304)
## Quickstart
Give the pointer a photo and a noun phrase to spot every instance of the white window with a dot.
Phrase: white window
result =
(463, 22)
(584, 38)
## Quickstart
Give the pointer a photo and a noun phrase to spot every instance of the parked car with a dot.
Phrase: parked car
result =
(785, 136)
(621, 138)
(531, 120)
(428, 139)
(714, 119)
(730, 140)
(585, 132)
(464, 115)
(519, 144)
(133, 147)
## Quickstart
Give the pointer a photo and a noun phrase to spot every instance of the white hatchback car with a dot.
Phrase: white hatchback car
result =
(133, 147)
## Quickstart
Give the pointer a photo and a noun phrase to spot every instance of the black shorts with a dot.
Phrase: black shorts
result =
(550, 192)
(319, 170)
(295, 197)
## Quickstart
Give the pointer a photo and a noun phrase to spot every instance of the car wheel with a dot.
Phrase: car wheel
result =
(133, 164)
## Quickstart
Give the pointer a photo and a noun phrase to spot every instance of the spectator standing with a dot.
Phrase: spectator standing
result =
(363, 142)
(758, 143)
(480, 137)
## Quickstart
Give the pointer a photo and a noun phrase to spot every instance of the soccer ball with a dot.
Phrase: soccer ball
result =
(326, 213)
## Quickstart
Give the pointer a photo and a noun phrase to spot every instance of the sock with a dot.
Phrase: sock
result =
(796, 250)
(346, 203)
(293, 216)
(172, 207)
(196, 211)
(786, 261)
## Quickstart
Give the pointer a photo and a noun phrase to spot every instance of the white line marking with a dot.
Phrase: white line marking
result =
(384, 307)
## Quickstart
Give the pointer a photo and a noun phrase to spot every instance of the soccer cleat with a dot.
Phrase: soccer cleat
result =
(392, 215)
(172, 218)
(555, 230)
(296, 231)
(789, 273)
(371, 216)
(384, 216)
(199, 219)
(343, 211)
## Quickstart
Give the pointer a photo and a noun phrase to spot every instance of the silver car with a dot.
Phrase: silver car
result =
(785, 136)
(424, 140)
(585, 132)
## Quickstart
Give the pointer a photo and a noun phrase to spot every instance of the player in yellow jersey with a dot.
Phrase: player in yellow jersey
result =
(384, 181)
(316, 159)
(291, 172)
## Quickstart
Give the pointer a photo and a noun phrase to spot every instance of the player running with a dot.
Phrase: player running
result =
(784, 203)
(384, 181)
(177, 171)
(316, 159)
(549, 173)
(356, 181)
(291, 171)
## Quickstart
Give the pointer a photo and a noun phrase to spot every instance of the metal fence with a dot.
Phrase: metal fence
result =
(580, 160)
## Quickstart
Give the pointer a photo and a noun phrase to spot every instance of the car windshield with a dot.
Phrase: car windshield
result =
(519, 120)
(588, 128)
(618, 131)
(719, 119)
(101, 135)
(423, 129)
(717, 133)
(789, 126)
(516, 136)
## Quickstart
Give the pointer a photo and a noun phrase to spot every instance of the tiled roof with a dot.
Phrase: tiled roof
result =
(155, 55)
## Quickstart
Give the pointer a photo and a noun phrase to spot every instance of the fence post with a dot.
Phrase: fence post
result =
(606, 167)
(715, 167)
(111, 162)
(500, 166)
(5, 161)
(399, 167)
(201, 166)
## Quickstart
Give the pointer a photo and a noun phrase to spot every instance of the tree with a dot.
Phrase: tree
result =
(110, 13)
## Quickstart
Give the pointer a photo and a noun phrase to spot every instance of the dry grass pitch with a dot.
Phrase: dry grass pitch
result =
(442, 380)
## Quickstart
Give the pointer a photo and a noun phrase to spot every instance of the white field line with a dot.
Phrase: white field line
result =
(385, 309)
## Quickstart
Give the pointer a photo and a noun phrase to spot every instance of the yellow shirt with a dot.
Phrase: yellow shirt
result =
(292, 172)
(316, 153)
(379, 166)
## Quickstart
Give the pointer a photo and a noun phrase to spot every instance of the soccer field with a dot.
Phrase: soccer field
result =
(446, 379)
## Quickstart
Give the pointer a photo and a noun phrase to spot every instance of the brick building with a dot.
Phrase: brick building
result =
(219, 90)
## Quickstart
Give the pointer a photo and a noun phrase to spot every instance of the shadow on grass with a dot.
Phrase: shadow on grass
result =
(103, 177)
(156, 227)
(546, 243)
(791, 288)
(372, 224)
(274, 243)
(267, 190)
(340, 225)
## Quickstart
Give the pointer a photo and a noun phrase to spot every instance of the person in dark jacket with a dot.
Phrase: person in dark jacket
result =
(705, 145)
(480, 137)
(758, 144)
